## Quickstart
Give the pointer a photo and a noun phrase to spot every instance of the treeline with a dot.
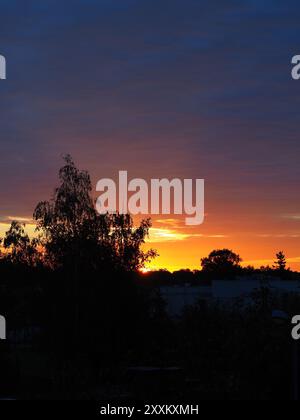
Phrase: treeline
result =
(223, 264)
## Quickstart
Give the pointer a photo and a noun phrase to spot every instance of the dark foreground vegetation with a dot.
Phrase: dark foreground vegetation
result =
(83, 323)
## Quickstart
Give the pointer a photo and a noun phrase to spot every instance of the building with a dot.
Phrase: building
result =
(224, 291)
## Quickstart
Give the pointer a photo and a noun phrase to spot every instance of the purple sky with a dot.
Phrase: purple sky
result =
(162, 88)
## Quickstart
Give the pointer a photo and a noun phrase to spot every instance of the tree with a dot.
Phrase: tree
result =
(221, 263)
(280, 264)
(126, 242)
(94, 258)
(74, 234)
(21, 248)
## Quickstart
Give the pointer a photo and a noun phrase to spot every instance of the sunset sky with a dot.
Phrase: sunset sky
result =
(162, 89)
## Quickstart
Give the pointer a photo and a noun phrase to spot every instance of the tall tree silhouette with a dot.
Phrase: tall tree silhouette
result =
(280, 264)
(93, 253)
(73, 231)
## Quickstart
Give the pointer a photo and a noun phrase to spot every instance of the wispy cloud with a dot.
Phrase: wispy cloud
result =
(21, 219)
(215, 236)
(166, 235)
(291, 216)
(293, 260)
(172, 222)
(279, 235)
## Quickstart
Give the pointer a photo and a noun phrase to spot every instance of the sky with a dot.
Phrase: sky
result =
(162, 89)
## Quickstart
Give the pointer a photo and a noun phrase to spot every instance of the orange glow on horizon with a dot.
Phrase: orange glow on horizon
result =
(182, 247)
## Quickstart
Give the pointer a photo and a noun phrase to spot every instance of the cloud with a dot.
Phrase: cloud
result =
(220, 236)
(295, 217)
(168, 221)
(166, 235)
(171, 223)
(175, 223)
(293, 260)
(278, 235)
(19, 219)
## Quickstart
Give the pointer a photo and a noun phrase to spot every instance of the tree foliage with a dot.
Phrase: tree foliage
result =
(21, 249)
(222, 263)
(73, 232)
(280, 263)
